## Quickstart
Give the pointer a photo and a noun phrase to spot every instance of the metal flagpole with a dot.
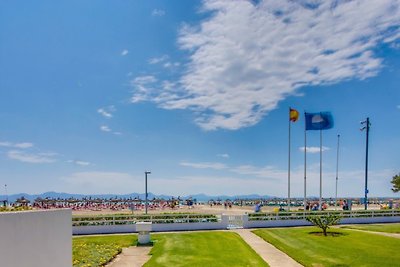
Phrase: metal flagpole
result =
(305, 165)
(320, 169)
(337, 170)
(288, 201)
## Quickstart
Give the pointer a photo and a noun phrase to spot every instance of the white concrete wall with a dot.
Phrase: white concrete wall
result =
(103, 229)
(36, 238)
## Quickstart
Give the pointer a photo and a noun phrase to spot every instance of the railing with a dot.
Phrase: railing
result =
(133, 219)
(271, 216)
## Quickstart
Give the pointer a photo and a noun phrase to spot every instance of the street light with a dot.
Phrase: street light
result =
(145, 188)
(366, 127)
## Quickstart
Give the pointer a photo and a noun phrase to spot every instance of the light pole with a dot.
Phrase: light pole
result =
(5, 188)
(366, 127)
(337, 169)
(145, 189)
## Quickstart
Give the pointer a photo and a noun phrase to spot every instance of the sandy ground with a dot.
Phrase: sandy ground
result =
(206, 209)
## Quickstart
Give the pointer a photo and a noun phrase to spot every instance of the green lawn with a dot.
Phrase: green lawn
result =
(386, 228)
(98, 250)
(202, 249)
(348, 248)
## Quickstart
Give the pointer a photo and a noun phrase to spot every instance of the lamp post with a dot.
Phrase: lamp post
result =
(366, 127)
(145, 189)
(5, 188)
(337, 169)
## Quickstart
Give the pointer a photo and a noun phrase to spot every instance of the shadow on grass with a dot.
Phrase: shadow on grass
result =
(333, 234)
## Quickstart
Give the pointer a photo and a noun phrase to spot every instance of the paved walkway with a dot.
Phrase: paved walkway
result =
(270, 254)
(373, 232)
(131, 257)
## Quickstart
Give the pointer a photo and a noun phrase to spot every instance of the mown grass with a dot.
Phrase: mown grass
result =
(95, 251)
(202, 249)
(385, 228)
(345, 248)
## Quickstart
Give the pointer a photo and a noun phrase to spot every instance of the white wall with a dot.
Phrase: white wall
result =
(36, 238)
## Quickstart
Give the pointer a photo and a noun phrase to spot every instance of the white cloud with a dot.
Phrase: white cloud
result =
(314, 149)
(245, 58)
(144, 87)
(107, 111)
(23, 145)
(225, 155)
(105, 128)
(80, 162)
(204, 165)
(30, 157)
(124, 52)
(16, 145)
(156, 60)
(158, 12)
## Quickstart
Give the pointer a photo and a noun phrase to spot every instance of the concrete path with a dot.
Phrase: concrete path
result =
(131, 257)
(270, 254)
(373, 232)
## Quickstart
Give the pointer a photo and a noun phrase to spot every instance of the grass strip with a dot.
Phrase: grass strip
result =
(308, 246)
(94, 251)
(202, 249)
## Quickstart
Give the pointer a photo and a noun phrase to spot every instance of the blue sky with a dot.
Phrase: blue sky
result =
(93, 93)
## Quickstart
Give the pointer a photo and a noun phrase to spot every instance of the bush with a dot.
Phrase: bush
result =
(324, 221)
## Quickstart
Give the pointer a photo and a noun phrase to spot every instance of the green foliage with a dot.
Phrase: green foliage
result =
(324, 221)
(132, 219)
(345, 248)
(99, 250)
(396, 183)
(19, 208)
(202, 249)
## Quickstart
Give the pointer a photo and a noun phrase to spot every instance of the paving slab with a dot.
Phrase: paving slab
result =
(131, 257)
(270, 254)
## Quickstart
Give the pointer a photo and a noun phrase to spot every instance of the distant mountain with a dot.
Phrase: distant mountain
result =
(198, 197)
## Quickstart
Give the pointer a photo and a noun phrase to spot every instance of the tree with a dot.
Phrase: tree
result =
(396, 183)
(324, 221)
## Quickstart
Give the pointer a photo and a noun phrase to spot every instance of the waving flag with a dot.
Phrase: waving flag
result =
(318, 121)
(293, 115)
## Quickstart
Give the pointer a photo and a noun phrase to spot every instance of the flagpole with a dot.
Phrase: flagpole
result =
(337, 169)
(305, 164)
(288, 202)
(320, 169)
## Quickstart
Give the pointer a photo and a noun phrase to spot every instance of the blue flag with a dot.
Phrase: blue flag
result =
(318, 121)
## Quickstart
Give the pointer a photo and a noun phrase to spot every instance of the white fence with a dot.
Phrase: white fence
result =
(36, 238)
(191, 222)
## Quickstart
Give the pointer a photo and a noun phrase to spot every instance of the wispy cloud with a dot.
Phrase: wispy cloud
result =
(124, 52)
(156, 60)
(16, 145)
(105, 128)
(158, 12)
(398, 106)
(107, 112)
(226, 156)
(314, 149)
(204, 165)
(80, 162)
(144, 87)
(245, 57)
(31, 157)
